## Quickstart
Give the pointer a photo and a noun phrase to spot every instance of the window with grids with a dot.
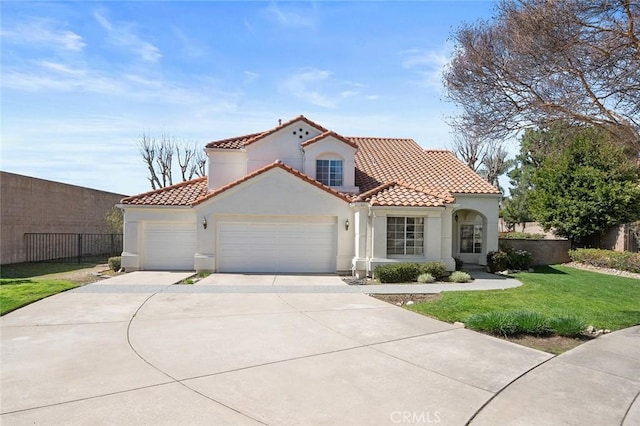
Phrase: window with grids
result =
(470, 238)
(329, 172)
(405, 235)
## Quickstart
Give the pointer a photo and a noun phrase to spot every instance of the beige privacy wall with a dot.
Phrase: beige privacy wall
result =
(36, 205)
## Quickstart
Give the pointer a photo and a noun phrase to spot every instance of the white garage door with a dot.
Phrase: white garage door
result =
(169, 246)
(302, 247)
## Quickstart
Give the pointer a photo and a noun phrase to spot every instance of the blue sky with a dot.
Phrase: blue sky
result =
(82, 81)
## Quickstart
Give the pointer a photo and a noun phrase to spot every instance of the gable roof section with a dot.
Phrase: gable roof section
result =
(405, 195)
(243, 141)
(439, 172)
(194, 192)
(181, 194)
(327, 134)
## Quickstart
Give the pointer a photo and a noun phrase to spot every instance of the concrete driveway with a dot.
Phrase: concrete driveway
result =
(155, 356)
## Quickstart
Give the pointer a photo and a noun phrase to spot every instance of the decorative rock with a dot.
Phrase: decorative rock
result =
(458, 324)
(409, 303)
(590, 329)
(607, 331)
(399, 303)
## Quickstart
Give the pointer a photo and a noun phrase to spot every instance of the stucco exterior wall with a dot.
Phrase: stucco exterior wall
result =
(275, 193)
(545, 252)
(30, 204)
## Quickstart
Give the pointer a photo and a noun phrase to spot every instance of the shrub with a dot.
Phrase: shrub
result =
(533, 323)
(497, 261)
(624, 261)
(498, 323)
(459, 263)
(521, 236)
(460, 277)
(115, 263)
(426, 278)
(397, 272)
(520, 259)
(437, 269)
(568, 326)
(508, 258)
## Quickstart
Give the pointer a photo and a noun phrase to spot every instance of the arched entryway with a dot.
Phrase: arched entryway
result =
(470, 236)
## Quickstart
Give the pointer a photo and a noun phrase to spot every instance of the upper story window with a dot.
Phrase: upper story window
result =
(329, 172)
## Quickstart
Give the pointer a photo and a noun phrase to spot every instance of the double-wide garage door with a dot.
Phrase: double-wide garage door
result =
(268, 246)
(169, 246)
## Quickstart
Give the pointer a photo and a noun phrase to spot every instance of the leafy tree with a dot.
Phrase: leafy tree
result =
(586, 188)
(114, 220)
(540, 61)
(535, 147)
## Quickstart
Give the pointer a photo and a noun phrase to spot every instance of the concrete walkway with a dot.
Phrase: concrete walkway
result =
(158, 356)
(269, 283)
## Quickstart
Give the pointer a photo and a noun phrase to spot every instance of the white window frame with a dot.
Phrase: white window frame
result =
(415, 235)
(327, 175)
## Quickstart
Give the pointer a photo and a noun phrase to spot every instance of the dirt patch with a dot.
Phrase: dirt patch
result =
(85, 275)
(402, 299)
(553, 344)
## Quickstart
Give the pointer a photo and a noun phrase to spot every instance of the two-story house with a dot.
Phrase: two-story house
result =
(300, 198)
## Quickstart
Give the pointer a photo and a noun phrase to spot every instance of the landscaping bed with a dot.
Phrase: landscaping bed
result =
(601, 301)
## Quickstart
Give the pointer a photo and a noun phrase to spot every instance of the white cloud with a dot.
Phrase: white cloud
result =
(290, 18)
(427, 64)
(43, 33)
(318, 88)
(123, 35)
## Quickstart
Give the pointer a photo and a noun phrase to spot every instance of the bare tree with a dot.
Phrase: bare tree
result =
(147, 147)
(495, 163)
(158, 155)
(469, 149)
(541, 61)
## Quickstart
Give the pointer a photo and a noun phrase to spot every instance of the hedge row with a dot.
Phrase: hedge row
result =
(508, 258)
(409, 272)
(621, 260)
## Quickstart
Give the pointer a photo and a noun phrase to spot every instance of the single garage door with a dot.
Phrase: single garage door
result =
(303, 247)
(169, 246)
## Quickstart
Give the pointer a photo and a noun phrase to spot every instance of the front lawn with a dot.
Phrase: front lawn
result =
(604, 301)
(25, 283)
(18, 292)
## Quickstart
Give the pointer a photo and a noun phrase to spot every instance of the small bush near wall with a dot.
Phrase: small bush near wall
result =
(407, 272)
(508, 258)
(521, 236)
(397, 272)
(115, 263)
(623, 261)
(437, 269)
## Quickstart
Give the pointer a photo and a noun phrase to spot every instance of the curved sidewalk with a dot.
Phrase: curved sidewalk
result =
(597, 383)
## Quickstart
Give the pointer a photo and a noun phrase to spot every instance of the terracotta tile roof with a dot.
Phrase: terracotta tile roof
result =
(389, 172)
(384, 160)
(242, 141)
(233, 143)
(402, 194)
(194, 192)
(181, 194)
(326, 135)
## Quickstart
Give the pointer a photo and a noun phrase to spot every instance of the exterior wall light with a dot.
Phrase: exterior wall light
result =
(346, 224)
(204, 222)
(455, 217)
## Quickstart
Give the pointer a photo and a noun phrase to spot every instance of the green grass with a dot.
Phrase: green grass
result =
(25, 283)
(18, 292)
(30, 270)
(604, 301)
